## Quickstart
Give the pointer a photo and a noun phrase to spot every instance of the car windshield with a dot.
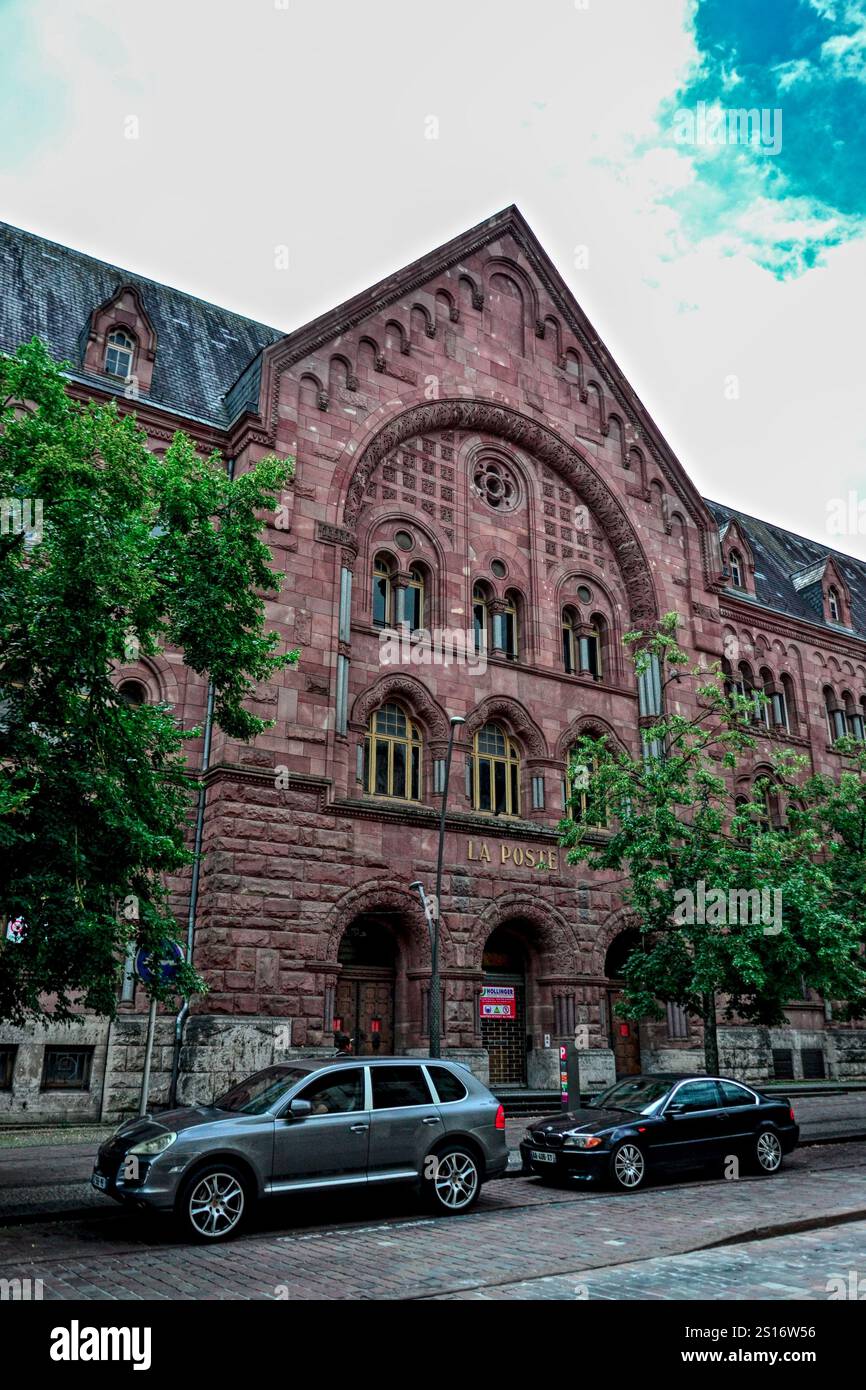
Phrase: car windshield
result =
(639, 1095)
(260, 1091)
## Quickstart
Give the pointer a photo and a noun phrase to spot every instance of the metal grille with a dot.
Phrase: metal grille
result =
(504, 1039)
(812, 1059)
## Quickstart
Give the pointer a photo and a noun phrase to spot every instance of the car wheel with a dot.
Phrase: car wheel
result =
(215, 1202)
(628, 1167)
(454, 1180)
(767, 1153)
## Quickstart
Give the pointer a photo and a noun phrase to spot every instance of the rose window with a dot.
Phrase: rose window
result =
(496, 484)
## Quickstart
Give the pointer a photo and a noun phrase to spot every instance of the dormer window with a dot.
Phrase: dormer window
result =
(735, 562)
(119, 354)
(834, 605)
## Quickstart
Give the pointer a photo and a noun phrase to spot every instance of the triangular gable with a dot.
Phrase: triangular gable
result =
(624, 404)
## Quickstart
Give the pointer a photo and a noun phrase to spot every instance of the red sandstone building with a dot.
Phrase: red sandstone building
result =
(469, 457)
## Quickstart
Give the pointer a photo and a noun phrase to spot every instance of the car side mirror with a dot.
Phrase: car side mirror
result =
(676, 1107)
(299, 1109)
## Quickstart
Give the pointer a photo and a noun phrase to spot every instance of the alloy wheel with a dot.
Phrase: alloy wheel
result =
(769, 1151)
(216, 1204)
(629, 1165)
(456, 1180)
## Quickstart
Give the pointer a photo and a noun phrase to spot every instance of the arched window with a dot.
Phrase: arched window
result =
(383, 591)
(770, 815)
(788, 703)
(836, 721)
(132, 693)
(858, 720)
(767, 709)
(576, 790)
(119, 354)
(750, 688)
(496, 772)
(834, 605)
(480, 616)
(582, 644)
(735, 564)
(414, 603)
(733, 680)
(595, 645)
(570, 624)
(511, 626)
(392, 755)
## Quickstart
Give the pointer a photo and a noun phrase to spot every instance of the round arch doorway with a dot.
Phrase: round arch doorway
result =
(504, 1039)
(364, 998)
(624, 1033)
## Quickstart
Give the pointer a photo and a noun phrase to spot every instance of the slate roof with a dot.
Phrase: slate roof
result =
(202, 350)
(784, 561)
(208, 367)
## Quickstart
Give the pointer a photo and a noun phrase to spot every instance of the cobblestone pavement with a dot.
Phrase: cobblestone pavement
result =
(810, 1265)
(522, 1237)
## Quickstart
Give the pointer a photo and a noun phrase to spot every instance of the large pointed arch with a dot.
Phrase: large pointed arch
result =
(546, 446)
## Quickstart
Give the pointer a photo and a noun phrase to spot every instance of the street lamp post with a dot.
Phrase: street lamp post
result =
(433, 911)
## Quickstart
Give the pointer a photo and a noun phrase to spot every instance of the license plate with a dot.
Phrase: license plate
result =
(541, 1157)
(99, 1182)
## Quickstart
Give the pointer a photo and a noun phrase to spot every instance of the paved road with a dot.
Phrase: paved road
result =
(41, 1178)
(813, 1265)
(523, 1240)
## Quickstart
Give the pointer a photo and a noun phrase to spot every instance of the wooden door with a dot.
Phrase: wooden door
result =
(365, 1007)
(624, 1039)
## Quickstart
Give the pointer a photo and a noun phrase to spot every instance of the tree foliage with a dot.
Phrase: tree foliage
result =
(746, 902)
(133, 553)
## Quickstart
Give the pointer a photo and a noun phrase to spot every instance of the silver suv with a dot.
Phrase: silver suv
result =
(311, 1124)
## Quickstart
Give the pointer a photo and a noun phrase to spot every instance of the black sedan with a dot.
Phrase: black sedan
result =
(651, 1124)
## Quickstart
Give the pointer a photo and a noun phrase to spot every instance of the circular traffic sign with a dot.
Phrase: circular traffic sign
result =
(161, 969)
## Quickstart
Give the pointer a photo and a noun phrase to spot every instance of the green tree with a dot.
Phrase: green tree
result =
(694, 865)
(129, 552)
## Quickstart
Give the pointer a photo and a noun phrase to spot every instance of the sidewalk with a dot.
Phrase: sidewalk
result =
(46, 1173)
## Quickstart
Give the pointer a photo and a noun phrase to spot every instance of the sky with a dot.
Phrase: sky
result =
(277, 156)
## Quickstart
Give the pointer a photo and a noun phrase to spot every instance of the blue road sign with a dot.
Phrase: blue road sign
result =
(164, 968)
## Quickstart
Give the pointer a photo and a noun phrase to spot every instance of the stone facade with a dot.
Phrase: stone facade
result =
(400, 407)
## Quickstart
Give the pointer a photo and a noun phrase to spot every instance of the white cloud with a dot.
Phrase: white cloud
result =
(305, 127)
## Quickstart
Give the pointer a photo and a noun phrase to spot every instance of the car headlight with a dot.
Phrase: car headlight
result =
(149, 1147)
(580, 1141)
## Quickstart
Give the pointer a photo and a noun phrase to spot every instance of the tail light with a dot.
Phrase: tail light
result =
(500, 1117)
(791, 1112)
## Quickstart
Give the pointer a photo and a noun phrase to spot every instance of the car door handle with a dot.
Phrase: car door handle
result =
(431, 1120)
(359, 1129)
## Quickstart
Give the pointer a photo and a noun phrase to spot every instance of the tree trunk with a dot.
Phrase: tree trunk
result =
(711, 1036)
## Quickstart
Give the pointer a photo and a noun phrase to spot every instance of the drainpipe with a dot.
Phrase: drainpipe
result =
(183, 1013)
(180, 1020)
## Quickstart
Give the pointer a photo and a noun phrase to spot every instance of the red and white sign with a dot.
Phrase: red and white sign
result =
(16, 930)
(498, 1001)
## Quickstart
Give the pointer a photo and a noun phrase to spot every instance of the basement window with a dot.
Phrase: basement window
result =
(67, 1068)
(7, 1066)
